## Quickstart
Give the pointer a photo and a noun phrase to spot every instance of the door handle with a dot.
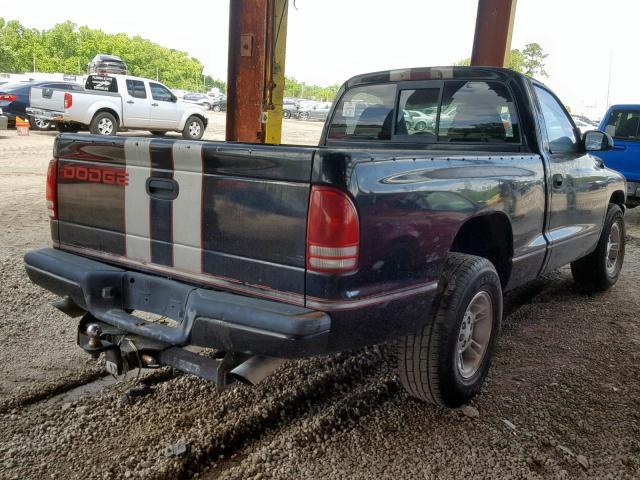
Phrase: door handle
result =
(162, 188)
(557, 180)
(130, 101)
(154, 104)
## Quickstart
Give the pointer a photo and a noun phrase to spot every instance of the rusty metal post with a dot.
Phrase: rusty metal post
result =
(494, 27)
(276, 53)
(246, 70)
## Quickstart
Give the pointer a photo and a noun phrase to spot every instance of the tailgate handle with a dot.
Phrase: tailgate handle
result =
(162, 188)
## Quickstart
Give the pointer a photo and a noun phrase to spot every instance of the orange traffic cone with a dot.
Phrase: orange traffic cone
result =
(22, 126)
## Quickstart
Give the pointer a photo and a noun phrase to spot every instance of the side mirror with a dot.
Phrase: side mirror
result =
(174, 99)
(597, 141)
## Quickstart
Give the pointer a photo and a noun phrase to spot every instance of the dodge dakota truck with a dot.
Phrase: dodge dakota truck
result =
(112, 102)
(381, 233)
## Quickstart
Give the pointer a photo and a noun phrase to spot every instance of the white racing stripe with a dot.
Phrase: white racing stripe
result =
(187, 208)
(136, 200)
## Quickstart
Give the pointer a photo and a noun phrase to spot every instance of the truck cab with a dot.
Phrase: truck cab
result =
(622, 122)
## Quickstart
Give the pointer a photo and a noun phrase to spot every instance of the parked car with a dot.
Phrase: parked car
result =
(102, 64)
(4, 121)
(582, 125)
(198, 98)
(219, 104)
(289, 108)
(270, 252)
(585, 119)
(318, 111)
(15, 100)
(112, 102)
(420, 121)
(622, 122)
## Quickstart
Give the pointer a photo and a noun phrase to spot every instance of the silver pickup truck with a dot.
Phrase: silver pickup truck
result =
(114, 102)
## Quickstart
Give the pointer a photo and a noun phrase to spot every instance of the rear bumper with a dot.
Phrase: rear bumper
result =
(46, 114)
(203, 317)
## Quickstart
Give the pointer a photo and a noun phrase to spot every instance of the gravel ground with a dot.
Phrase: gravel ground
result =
(562, 399)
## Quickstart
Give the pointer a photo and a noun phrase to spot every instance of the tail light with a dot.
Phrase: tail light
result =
(68, 100)
(8, 97)
(333, 232)
(52, 189)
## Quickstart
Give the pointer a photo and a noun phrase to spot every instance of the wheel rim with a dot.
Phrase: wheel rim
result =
(474, 334)
(105, 126)
(194, 129)
(613, 250)
(40, 123)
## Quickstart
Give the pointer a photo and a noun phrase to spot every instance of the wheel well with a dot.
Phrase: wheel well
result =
(617, 197)
(108, 110)
(488, 236)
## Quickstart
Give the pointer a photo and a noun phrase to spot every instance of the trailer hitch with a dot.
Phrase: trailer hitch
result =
(125, 351)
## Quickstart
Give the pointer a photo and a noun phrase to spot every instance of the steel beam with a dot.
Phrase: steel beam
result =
(255, 78)
(246, 70)
(276, 48)
(494, 27)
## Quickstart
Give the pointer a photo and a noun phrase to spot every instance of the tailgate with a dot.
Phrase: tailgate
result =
(214, 213)
(43, 98)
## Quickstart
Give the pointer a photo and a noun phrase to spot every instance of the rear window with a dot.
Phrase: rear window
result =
(364, 113)
(102, 83)
(452, 111)
(624, 124)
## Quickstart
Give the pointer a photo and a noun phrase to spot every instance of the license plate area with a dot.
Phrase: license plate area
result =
(154, 295)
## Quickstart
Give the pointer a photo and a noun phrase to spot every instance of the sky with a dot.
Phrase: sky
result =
(331, 40)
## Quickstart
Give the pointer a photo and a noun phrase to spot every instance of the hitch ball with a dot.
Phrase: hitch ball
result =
(94, 332)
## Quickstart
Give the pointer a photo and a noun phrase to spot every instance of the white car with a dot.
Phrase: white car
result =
(115, 102)
(582, 125)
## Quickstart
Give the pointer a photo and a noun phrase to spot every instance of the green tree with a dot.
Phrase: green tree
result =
(530, 60)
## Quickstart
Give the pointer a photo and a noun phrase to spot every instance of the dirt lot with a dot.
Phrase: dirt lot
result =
(562, 399)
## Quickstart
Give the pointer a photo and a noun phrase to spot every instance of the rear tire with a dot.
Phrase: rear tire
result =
(39, 124)
(447, 361)
(193, 128)
(601, 269)
(286, 114)
(217, 108)
(103, 123)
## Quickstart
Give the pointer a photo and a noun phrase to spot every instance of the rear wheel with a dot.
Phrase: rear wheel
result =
(447, 361)
(600, 270)
(303, 115)
(103, 123)
(193, 129)
(39, 123)
(286, 114)
(217, 108)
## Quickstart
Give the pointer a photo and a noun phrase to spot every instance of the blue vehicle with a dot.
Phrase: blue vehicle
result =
(622, 122)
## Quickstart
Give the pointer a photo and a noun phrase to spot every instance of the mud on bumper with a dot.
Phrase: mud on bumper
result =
(203, 317)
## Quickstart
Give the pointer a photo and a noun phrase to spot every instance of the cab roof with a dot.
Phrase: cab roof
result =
(432, 73)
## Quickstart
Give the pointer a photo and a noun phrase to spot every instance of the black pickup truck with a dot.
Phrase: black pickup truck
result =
(382, 232)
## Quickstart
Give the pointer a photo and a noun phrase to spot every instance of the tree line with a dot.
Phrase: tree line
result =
(67, 48)
(530, 60)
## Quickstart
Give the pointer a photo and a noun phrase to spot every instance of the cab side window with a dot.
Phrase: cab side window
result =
(560, 131)
(135, 88)
(624, 124)
(160, 92)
